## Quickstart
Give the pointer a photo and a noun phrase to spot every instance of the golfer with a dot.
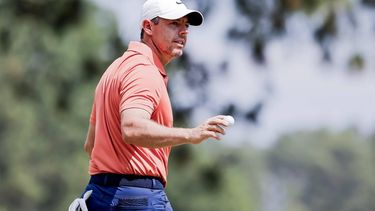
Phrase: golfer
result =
(131, 131)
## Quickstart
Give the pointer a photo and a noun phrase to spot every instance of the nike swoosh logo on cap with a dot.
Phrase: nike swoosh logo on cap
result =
(178, 2)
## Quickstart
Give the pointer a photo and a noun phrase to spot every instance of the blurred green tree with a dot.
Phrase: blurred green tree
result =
(217, 178)
(324, 171)
(51, 55)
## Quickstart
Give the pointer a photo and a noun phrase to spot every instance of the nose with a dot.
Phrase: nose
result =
(184, 30)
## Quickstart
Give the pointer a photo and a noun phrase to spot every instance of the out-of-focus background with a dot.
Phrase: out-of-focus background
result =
(297, 75)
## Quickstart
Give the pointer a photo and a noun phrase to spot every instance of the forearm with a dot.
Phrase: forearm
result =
(147, 133)
(90, 139)
(139, 130)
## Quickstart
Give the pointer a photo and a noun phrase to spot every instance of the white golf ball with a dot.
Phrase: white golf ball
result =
(229, 119)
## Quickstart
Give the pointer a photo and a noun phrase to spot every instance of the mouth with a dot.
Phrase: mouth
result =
(180, 42)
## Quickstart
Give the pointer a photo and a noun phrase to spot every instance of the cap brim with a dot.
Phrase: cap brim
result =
(195, 18)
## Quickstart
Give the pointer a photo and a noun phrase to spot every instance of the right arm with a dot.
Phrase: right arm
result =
(138, 129)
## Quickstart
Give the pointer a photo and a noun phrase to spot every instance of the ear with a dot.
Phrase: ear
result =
(146, 26)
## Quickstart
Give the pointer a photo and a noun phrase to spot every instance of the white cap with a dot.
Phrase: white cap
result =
(171, 10)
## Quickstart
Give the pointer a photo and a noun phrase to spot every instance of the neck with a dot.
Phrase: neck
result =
(164, 59)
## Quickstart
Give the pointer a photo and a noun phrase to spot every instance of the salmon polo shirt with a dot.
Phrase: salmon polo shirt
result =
(135, 80)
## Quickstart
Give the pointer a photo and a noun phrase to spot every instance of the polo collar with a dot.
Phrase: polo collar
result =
(143, 49)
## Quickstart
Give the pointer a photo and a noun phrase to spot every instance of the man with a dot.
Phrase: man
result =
(131, 125)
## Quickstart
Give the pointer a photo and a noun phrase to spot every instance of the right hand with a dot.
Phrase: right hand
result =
(211, 128)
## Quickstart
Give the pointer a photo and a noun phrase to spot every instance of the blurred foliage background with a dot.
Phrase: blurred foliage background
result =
(52, 53)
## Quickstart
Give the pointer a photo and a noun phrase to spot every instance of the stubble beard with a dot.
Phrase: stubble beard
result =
(177, 52)
(174, 52)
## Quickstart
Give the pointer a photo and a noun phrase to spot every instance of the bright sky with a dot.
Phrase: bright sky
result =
(306, 93)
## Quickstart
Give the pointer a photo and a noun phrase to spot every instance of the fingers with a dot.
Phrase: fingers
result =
(213, 127)
(213, 135)
(206, 131)
(216, 128)
(218, 120)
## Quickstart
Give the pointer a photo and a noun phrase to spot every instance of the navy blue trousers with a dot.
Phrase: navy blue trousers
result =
(127, 198)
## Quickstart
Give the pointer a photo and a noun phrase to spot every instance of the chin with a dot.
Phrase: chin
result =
(178, 53)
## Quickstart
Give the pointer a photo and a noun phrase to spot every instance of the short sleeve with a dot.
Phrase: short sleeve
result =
(141, 88)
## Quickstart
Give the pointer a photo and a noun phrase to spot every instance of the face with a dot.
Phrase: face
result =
(170, 36)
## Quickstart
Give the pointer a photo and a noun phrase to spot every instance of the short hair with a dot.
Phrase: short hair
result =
(155, 21)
